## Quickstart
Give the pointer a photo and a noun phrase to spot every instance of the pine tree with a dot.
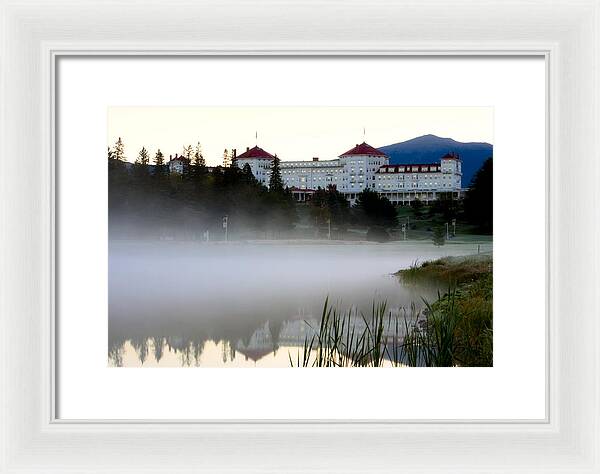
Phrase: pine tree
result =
(417, 207)
(275, 182)
(188, 152)
(111, 154)
(199, 161)
(234, 161)
(226, 159)
(159, 158)
(119, 150)
(143, 157)
(439, 236)
(376, 210)
(479, 201)
(247, 174)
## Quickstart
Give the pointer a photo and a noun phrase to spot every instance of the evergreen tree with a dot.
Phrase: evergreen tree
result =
(119, 150)
(479, 201)
(226, 158)
(118, 184)
(275, 182)
(111, 154)
(160, 170)
(159, 158)
(417, 207)
(439, 235)
(329, 206)
(376, 210)
(188, 171)
(446, 206)
(234, 162)
(188, 152)
(338, 206)
(247, 174)
(143, 158)
(199, 161)
(319, 210)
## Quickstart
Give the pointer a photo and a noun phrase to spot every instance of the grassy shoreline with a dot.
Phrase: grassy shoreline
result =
(452, 271)
(459, 325)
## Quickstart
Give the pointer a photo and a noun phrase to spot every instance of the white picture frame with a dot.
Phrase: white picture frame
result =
(34, 35)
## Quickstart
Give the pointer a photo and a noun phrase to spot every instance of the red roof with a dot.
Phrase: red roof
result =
(256, 152)
(180, 158)
(363, 149)
(451, 156)
(255, 354)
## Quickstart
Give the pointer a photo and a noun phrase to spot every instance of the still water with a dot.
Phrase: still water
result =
(190, 304)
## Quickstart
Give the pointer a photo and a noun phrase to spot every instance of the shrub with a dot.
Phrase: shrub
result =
(378, 234)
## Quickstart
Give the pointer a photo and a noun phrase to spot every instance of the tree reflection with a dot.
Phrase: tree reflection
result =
(116, 351)
(255, 344)
(158, 343)
(141, 348)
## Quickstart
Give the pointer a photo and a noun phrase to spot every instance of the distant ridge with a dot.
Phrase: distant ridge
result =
(430, 148)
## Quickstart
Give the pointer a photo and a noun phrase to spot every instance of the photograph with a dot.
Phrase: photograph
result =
(300, 236)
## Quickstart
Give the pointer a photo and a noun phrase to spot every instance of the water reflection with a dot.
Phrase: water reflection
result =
(266, 346)
(188, 350)
(192, 305)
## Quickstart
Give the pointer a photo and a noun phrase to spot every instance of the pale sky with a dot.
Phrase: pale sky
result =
(293, 133)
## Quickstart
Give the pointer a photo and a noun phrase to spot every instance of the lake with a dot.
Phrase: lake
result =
(192, 304)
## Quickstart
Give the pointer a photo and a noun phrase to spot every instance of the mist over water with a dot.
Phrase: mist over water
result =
(222, 304)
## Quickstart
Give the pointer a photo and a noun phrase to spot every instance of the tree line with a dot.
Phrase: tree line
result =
(146, 201)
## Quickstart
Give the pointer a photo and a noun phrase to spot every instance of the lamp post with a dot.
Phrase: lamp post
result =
(225, 219)
(447, 236)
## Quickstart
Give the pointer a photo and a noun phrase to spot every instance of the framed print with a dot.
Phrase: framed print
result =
(230, 246)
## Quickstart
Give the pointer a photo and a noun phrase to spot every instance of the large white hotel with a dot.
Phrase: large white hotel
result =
(361, 167)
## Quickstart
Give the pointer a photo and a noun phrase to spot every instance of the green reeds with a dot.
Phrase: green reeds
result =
(439, 335)
(349, 339)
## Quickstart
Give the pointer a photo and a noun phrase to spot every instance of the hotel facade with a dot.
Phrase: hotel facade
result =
(359, 168)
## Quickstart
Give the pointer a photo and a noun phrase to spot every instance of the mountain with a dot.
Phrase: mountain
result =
(430, 148)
